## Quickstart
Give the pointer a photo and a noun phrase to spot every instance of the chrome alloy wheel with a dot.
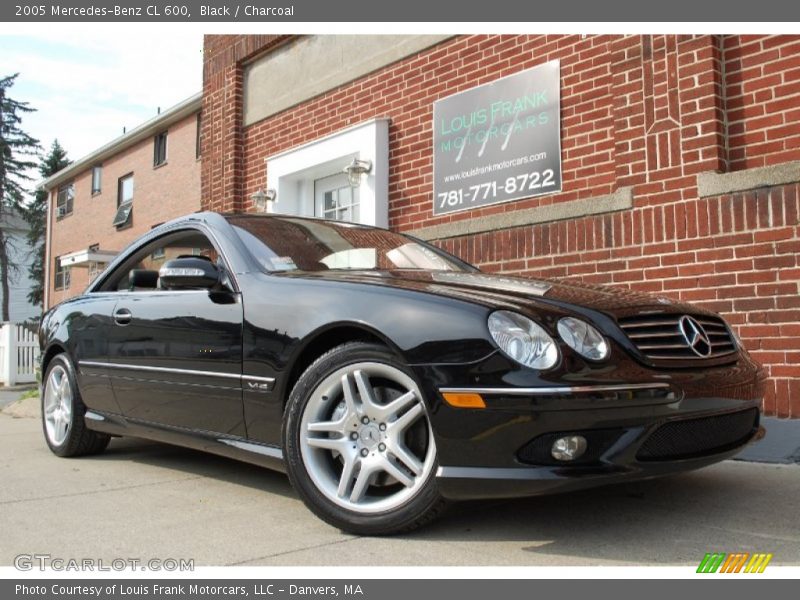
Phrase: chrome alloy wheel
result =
(57, 405)
(365, 438)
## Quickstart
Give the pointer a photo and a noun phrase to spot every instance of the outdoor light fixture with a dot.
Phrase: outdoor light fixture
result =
(356, 169)
(262, 198)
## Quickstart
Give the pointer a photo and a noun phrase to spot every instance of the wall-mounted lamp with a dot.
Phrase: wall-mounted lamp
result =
(356, 169)
(262, 198)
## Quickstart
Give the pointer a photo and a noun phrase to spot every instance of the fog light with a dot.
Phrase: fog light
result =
(570, 447)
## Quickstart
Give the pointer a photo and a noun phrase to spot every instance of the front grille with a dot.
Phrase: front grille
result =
(691, 438)
(598, 441)
(660, 337)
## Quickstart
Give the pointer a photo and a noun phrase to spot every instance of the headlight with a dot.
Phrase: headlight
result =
(523, 340)
(583, 338)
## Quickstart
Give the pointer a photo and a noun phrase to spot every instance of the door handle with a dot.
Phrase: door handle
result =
(123, 316)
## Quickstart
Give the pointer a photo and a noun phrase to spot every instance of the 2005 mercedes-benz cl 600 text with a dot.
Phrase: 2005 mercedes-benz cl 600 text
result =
(385, 375)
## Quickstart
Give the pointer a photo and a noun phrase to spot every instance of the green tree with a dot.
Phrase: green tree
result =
(36, 215)
(16, 147)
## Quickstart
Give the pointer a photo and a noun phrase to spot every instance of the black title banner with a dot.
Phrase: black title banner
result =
(342, 11)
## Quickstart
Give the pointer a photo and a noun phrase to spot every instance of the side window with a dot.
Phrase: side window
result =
(160, 149)
(61, 275)
(65, 200)
(140, 272)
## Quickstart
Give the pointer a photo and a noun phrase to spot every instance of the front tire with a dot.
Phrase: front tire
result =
(358, 442)
(65, 432)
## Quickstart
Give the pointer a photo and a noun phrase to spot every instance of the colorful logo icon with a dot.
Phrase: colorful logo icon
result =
(739, 562)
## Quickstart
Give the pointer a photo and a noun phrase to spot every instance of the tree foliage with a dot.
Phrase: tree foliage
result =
(36, 215)
(16, 150)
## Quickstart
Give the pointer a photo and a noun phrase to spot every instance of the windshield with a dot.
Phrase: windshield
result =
(295, 244)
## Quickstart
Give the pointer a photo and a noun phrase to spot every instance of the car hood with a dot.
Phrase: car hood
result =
(509, 291)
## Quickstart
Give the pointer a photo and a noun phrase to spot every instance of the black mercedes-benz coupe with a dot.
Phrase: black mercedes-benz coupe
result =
(383, 374)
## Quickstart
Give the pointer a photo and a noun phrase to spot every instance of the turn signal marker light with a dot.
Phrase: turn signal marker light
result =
(464, 400)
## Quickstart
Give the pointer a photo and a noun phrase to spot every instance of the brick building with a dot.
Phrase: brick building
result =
(104, 201)
(680, 160)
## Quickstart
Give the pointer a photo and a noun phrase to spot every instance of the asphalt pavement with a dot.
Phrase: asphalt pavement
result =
(147, 500)
(9, 395)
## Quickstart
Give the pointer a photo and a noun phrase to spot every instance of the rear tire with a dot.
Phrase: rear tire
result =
(64, 429)
(359, 445)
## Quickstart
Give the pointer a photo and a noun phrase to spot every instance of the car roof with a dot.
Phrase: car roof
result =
(287, 217)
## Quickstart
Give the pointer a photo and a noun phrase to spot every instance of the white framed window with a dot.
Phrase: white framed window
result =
(124, 201)
(335, 199)
(61, 276)
(95, 269)
(160, 149)
(65, 200)
(125, 189)
(310, 179)
(97, 179)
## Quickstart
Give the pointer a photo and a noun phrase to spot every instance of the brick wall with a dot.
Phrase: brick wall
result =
(224, 57)
(734, 254)
(646, 112)
(160, 194)
(762, 89)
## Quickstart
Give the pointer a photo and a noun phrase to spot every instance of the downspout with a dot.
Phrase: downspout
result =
(47, 246)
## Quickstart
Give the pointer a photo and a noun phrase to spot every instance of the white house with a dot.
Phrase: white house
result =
(21, 254)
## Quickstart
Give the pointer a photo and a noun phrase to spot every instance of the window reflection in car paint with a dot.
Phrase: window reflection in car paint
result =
(287, 244)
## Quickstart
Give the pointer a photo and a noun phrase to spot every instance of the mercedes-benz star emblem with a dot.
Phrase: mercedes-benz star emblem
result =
(695, 336)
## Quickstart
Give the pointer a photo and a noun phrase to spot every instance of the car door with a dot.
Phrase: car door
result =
(89, 325)
(175, 356)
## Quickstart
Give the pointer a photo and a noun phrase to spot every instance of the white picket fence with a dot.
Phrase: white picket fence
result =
(19, 354)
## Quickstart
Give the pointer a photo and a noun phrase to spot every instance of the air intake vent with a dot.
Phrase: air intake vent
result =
(679, 337)
(692, 438)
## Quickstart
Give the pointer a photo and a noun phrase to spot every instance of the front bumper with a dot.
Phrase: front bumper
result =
(621, 462)
(497, 451)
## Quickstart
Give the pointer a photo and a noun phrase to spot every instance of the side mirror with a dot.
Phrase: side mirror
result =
(188, 273)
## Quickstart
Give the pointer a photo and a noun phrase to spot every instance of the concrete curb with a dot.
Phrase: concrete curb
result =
(28, 408)
(23, 387)
(781, 445)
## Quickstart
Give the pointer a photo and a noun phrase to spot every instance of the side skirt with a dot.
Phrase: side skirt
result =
(235, 447)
